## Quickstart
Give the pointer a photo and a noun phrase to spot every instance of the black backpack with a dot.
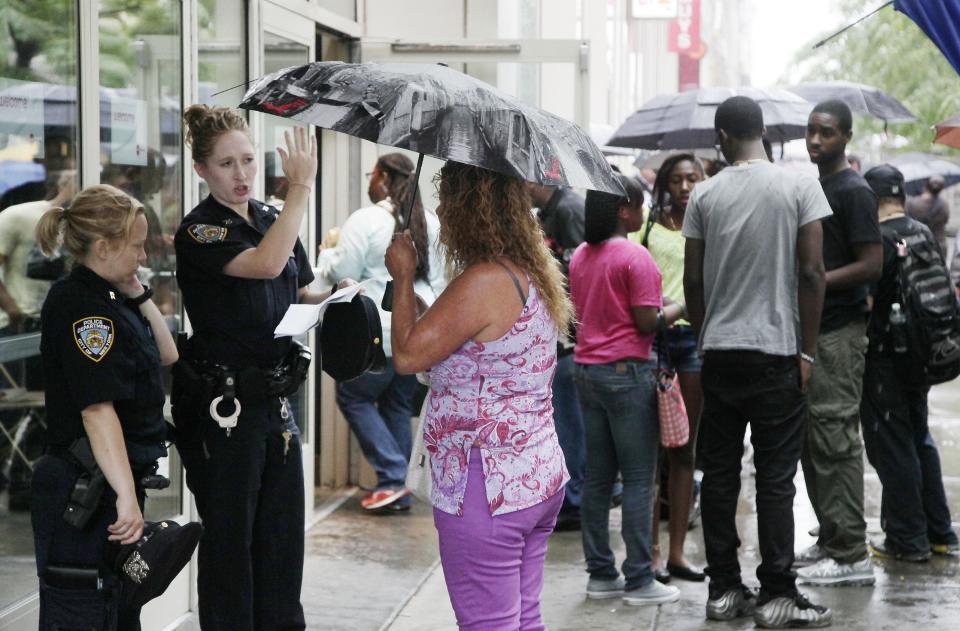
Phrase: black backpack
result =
(929, 302)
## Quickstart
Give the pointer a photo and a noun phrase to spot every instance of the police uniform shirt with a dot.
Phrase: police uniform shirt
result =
(96, 347)
(234, 318)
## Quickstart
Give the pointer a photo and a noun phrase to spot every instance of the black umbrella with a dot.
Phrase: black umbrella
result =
(436, 111)
(918, 167)
(864, 99)
(685, 120)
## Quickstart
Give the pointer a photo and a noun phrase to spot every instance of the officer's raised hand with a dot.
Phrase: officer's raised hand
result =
(299, 160)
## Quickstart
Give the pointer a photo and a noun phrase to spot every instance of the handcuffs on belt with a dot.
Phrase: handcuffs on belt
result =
(287, 379)
(229, 391)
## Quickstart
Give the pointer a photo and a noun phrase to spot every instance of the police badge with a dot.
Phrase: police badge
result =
(205, 233)
(94, 336)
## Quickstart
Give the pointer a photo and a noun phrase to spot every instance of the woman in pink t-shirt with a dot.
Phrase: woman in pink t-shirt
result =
(616, 291)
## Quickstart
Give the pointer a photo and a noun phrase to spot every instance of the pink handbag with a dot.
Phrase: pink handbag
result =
(674, 426)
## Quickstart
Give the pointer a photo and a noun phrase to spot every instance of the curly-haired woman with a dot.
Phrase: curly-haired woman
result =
(490, 344)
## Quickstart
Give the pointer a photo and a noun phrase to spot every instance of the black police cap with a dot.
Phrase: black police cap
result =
(886, 181)
(351, 339)
(148, 566)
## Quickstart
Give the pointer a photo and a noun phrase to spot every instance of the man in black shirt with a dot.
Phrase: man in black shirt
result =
(895, 432)
(561, 217)
(833, 452)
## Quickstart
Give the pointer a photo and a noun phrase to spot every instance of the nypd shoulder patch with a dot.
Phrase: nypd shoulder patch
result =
(94, 336)
(205, 233)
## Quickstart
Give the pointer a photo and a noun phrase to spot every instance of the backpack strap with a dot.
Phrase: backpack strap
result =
(516, 283)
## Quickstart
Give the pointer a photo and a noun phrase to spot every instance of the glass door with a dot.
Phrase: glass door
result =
(289, 40)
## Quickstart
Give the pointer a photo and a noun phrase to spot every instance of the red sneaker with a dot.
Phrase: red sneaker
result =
(383, 497)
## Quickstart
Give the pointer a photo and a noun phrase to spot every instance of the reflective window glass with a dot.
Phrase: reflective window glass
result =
(280, 52)
(38, 153)
(141, 78)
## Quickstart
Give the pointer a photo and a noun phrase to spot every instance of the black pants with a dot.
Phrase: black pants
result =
(913, 509)
(742, 387)
(250, 496)
(59, 543)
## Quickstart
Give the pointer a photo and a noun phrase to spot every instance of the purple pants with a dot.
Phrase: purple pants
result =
(493, 566)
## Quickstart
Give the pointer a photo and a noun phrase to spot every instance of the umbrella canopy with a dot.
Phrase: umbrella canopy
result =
(948, 132)
(864, 99)
(685, 120)
(938, 19)
(918, 167)
(437, 111)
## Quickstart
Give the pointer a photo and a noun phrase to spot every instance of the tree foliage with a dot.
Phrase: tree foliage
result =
(889, 51)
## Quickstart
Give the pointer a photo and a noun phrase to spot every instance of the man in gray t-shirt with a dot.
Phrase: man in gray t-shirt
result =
(754, 282)
(749, 216)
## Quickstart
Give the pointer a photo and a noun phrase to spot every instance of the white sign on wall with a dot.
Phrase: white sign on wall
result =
(21, 111)
(128, 131)
(653, 9)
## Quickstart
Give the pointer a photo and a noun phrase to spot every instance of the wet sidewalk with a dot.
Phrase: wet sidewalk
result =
(381, 573)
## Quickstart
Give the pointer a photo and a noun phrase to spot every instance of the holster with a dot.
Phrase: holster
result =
(88, 489)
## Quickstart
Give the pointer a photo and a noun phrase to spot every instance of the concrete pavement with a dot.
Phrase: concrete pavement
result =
(381, 573)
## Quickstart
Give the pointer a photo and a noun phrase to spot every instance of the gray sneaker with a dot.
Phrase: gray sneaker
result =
(601, 588)
(732, 604)
(653, 593)
(829, 572)
(787, 612)
(809, 556)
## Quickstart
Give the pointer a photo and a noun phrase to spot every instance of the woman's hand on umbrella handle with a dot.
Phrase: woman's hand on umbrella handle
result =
(401, 257)
(299, 160)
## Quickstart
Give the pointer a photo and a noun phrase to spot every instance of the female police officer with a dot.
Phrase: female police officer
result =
(240, 265)
(103, 343)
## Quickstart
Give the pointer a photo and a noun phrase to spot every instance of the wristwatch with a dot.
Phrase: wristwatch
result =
(810, 359)
(142, 298)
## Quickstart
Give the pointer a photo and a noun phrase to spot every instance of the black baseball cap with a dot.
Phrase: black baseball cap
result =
(886, 181)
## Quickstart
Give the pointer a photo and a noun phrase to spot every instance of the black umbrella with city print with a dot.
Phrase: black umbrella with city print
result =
(436, 111)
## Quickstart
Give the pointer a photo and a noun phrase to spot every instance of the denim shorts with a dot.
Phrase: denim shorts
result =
(683, 357)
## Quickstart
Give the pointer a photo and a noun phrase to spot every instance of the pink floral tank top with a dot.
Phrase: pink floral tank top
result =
(497, 396)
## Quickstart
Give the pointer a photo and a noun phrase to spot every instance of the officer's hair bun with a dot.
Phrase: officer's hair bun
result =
(204, 124)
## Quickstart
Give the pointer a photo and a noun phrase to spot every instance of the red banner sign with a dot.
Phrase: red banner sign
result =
(684, 32)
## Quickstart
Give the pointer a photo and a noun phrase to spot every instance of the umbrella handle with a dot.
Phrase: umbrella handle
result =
(387, 303)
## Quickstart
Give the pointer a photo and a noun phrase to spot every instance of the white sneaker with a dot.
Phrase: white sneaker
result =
(829, 572)
(809, 556)
(654, 593)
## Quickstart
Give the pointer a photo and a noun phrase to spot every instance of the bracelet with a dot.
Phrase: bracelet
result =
(306, 186)
(142, 298)
(810, 359)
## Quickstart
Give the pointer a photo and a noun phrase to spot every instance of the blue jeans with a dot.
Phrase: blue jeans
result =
(622, 431)
(377, 407)
(568, 422)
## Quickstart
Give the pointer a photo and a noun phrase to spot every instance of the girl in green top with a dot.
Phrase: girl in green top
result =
(661, 235)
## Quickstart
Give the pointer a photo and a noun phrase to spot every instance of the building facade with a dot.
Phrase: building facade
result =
(92, 91)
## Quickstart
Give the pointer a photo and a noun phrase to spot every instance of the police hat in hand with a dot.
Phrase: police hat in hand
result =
(148, 566)
(351, 339)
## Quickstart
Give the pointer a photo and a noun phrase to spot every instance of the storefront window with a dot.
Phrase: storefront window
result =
(280, 52)
(38, 151)
(141, 74)
(222, 62)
